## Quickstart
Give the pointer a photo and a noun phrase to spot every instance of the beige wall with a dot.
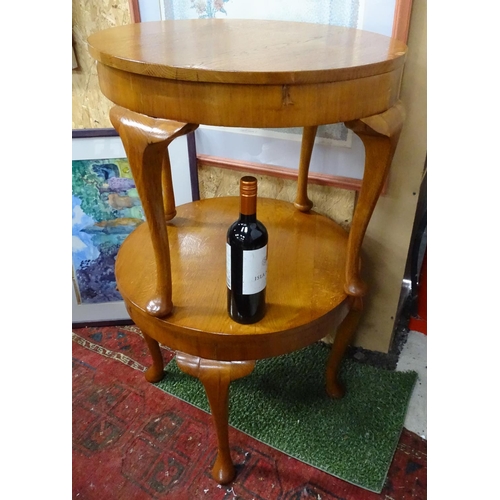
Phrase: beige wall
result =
(388, 235)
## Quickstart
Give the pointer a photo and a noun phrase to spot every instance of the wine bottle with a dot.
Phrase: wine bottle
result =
(246, 259)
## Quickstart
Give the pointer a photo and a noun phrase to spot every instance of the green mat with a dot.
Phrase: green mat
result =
(283, 403)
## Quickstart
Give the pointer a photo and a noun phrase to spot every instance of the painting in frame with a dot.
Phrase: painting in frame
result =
(338, 156)
(105, 209)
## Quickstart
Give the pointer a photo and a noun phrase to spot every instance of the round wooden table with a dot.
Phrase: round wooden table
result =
(168, 77)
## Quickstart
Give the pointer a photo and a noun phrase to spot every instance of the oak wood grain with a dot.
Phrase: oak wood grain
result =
(239, 105)
(380, 135)
(171, 270)
(145, 141)
(248, 73)
(343, 338)
(215, 377)
(306, 268)
(302, 202)
(255, 52)
(155, 372)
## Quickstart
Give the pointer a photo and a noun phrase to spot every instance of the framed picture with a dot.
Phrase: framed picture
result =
(338, 156)
(105, 209)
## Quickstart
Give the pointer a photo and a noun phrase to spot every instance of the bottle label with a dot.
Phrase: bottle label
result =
(254, 269)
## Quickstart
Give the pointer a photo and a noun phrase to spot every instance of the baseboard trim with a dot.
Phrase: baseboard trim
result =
(93, 324)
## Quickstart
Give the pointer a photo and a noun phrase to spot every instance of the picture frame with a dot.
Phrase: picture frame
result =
(105, 209)
(338, 155)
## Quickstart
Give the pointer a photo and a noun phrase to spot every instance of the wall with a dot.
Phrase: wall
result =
(388, 234)
(334, 202)
(90, 108)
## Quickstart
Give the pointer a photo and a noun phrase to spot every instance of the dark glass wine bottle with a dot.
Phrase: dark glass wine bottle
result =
(246, 259)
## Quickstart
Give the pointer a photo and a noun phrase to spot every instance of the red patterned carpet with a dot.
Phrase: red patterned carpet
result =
(133, 441)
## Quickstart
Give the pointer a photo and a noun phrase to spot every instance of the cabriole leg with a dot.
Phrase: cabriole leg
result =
(155, 372)
(343, 338)
(380, 135)
(302, 202)
(145, 141)
(215, 377)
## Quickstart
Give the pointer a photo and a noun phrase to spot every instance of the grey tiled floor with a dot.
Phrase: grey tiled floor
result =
(414, 357)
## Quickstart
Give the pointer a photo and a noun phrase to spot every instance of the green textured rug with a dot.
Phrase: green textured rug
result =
(283, 403)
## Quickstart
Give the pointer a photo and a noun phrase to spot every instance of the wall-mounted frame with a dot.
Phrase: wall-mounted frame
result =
(338, 155)
(395, 18)
(105, 209)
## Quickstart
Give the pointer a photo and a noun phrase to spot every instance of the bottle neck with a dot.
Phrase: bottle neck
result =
(248, 218)
(248, 199)
(248, 206)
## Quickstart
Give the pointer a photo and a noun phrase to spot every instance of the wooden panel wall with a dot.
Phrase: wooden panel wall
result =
(336, 203)
(90, 107)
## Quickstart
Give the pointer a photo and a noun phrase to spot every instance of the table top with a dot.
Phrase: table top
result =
(246, 51)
